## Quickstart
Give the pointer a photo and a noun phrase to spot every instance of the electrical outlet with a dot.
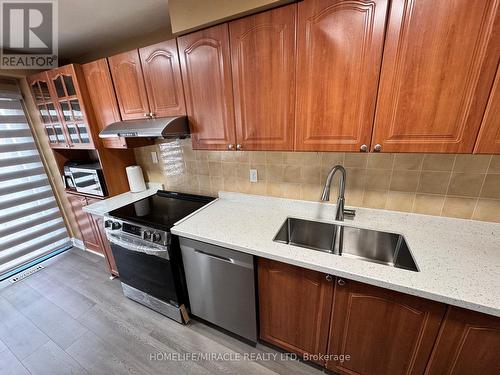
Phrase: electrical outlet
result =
(154, 157)
(253, 175)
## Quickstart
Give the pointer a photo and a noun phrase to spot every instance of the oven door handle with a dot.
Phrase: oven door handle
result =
(139, 246)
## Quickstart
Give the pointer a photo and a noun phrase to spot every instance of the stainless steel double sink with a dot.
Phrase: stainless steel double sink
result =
(369, 245)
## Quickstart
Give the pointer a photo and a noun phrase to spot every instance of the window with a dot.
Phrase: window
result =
(31, 225)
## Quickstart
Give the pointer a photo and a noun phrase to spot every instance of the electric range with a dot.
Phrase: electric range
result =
(147, 255)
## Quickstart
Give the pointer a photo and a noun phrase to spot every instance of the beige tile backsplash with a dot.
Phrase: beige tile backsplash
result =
(464, 186)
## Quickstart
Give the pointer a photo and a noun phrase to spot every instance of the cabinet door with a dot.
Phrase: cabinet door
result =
(90, 237)
(98, 223)
(295, 306)
(49, 115)
(129, 85)
(206, 73)
(383, 332)
(436, 75)
(263, 64)
(339, 53)
(106, 248)
(162, 76)
(64, 83)
(102, 95)
(488, 141)
(469, 343)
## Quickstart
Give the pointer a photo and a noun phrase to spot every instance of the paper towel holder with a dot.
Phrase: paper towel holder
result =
(135, 178)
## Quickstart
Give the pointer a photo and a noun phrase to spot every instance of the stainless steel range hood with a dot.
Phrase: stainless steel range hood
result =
(165, 127)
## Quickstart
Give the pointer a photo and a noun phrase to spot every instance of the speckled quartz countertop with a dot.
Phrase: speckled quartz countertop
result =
(459, 260)
(103, 207)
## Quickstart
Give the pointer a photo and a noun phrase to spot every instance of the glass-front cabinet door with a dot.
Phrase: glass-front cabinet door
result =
(51, 120)
(65, 87)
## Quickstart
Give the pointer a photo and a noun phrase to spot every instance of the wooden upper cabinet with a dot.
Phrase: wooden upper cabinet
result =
(436, 76)
(162, 76)
(468, 344)
(339, 51)
(206, 73)
(295, 306)
(129, 85)
(263, 65)
(103, 99)
(488, 141)
(148, 82)
(49, 115)
(384, 332)
(69, 91)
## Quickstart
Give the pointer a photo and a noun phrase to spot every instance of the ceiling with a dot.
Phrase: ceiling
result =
(89, 29)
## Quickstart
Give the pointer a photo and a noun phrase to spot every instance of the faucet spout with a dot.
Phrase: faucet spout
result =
(338, 234)
(339, 215)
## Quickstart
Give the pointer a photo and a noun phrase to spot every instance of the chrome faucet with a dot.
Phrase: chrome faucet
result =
(339, 214)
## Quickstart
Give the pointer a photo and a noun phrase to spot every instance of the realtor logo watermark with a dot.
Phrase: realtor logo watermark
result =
(28, 34)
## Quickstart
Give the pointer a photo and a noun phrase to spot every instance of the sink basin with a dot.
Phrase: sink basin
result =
(369, 245)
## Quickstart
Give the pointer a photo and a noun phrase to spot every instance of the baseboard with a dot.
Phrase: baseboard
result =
(46, 260)
(79, 244)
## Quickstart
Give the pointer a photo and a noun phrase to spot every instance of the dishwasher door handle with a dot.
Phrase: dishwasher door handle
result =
(224, 259)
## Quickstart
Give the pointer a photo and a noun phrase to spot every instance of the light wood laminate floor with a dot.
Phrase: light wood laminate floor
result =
(69, 318)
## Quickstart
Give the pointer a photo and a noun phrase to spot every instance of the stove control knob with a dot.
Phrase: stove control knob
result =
(108, 223)
(115, 225)
(147, 235)
(156, 237)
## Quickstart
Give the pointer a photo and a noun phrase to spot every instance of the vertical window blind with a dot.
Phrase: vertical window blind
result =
(31, 225)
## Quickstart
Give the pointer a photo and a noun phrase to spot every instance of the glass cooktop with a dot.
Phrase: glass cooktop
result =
(161, 210)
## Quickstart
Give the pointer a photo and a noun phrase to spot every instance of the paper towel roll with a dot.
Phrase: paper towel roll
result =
(135, 178)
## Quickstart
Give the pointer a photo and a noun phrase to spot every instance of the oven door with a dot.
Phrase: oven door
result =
(87, 181)
(146, 267)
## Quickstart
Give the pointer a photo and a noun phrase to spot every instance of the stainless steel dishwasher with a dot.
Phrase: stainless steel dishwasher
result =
(221, 286)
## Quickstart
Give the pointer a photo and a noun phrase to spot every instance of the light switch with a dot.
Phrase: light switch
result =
(154, 157)
(253, 175)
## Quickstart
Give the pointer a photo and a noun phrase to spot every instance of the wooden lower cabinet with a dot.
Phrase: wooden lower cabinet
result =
(92, 229)
(351, 327)
(468, 344)
(295, 306)
(106, 248)
(98, 222)
(90, 236)
(382, 331)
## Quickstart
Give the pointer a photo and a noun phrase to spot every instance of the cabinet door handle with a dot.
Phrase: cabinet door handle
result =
(239, 147)
(230, 146)
(328, 277)
(363, 148)
(340, 282)
(377, 148)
